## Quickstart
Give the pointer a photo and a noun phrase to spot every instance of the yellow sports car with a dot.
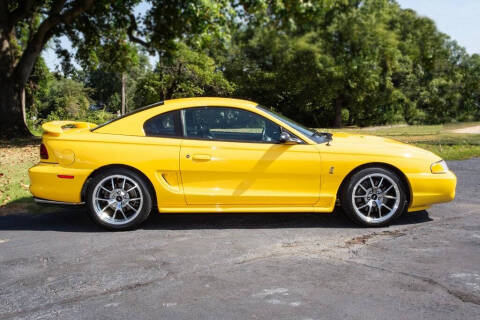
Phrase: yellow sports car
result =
(228, 155)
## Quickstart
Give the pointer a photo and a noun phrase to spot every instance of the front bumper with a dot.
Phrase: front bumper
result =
(46, 185)
(429, 188)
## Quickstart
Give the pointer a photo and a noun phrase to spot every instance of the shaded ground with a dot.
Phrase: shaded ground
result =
(246, 266)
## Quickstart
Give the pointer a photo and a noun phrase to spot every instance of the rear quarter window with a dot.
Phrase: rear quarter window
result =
(163, 125)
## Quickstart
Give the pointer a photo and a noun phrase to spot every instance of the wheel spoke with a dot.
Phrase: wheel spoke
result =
(123, 184)
(109, 191)
(360, 185)
(384, 205)
(103, 210)
(130, 206)
(123, 214)
(134, 199)
(132, 188)
(366, 204)
(114, 214)
(384, 192)
(390, 197)
(371, 181)
(380, 183)
(113, 184)
(379, 210)
(369, 211)
(361, 196)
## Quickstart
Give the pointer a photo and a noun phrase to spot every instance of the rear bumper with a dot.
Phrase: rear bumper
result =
(428, 189)
(46, 185)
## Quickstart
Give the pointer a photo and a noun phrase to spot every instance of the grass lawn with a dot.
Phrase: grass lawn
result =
(15, 159)
(17, 156)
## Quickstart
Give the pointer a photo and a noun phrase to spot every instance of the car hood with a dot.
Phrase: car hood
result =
(373, 145)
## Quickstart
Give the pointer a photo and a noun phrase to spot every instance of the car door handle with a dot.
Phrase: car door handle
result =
(201, 157)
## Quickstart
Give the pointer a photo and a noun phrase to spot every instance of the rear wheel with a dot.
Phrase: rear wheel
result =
(118, 199)
(374, 197)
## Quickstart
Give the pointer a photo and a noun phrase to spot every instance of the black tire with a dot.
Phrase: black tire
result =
(139, 209)
(361, 197)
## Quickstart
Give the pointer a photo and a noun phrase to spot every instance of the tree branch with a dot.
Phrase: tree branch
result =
(131, 28)
(3, 10)
(45, 32)
(57, 6)
(23, 10)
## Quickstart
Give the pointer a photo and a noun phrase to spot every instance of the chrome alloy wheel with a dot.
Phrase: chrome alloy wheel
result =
(375, 198)
(117, 199)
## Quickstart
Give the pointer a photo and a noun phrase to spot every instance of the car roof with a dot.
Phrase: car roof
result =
(123, 124)
(209, 101)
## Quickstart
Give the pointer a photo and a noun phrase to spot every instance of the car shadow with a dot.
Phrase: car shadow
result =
(77, 220)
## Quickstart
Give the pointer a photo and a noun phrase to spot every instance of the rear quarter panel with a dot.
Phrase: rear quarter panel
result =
(156, 158)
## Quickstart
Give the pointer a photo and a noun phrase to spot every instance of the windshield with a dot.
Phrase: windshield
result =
(318, 137)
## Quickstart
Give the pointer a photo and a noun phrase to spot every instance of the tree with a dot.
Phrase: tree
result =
(115, 56)
(185, 73)
(470, 104)
(106, 82)
(340, 65)
(87, 24)
(356, 62)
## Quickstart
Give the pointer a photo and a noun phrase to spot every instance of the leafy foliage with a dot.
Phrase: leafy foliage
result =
(360, 62)
(186, 73)
(323, 63)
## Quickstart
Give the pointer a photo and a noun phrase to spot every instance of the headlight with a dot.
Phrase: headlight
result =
(439, 167)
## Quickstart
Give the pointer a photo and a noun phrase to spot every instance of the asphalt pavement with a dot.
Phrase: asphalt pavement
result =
(59, 265)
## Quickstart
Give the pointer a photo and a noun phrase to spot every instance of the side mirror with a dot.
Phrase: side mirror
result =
(286, 138)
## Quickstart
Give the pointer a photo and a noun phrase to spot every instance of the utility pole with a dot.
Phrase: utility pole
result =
(124, 100)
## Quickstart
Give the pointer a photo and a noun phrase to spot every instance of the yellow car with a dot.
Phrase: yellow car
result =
(228, 155)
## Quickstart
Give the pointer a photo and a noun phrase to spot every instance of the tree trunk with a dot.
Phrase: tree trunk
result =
(338, 112)
(16, 64)
(12, 115)
(124, 98)
(12, 119)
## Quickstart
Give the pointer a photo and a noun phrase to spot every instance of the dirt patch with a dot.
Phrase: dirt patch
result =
(474, 130)
(363, 239)
(385, 127)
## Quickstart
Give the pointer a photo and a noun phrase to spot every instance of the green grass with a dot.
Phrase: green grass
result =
(453, 152)
(15, 159)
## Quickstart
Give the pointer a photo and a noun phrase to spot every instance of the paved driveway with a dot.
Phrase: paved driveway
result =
(247, 266)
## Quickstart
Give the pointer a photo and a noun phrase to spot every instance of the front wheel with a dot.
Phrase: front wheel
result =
(373, 197)
(118, 199)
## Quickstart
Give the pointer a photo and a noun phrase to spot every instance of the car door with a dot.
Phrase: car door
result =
(232, 156)
(159, 152)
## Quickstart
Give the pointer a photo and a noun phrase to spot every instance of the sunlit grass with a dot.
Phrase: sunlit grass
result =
(15, 159)
(452, 152)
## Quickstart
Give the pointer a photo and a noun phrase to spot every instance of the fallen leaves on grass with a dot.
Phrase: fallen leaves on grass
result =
(14, 163)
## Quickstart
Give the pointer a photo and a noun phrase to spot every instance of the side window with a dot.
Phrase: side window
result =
(229, 124)
(164, 125)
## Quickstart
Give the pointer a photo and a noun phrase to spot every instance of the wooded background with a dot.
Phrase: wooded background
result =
(321, 62)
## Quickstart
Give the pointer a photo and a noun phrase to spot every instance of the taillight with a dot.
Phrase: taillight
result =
(43, 152)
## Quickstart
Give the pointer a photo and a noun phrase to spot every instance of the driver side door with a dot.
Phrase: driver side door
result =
(232, 156)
